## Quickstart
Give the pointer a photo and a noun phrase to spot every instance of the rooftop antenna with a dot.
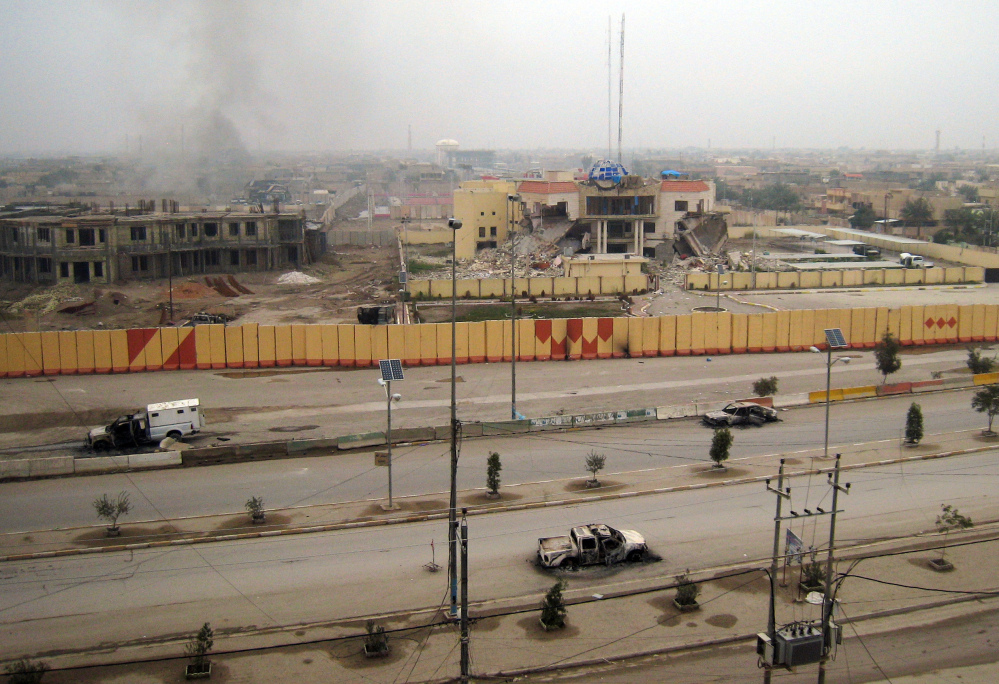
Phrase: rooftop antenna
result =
(620, 97)
(610, 89)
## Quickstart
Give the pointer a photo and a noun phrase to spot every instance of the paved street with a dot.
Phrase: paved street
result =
(269, 582)
(421, 469)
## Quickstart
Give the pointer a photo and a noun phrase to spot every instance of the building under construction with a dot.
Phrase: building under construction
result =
(107, 248)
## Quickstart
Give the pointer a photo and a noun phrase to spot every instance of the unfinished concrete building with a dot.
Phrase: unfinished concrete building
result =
(107, 248)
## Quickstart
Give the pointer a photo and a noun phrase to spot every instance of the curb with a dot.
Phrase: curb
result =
(425, 517)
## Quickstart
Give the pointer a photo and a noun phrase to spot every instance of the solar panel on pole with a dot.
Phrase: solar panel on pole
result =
(834, 336)
(391, 369)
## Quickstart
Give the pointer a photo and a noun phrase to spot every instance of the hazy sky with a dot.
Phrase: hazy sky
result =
(81, 76)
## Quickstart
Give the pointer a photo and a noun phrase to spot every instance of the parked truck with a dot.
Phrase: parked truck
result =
(592, 544)
(166, 419)
(914, 261)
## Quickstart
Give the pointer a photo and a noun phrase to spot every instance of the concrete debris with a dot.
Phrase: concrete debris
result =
(297, 278)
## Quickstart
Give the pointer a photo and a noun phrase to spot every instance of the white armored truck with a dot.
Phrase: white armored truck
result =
(166, 419)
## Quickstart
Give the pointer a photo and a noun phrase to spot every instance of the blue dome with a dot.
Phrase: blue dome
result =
(605, 170)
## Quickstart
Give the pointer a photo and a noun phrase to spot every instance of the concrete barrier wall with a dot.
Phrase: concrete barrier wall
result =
(809, 280)
(251, 346)
(492, 288)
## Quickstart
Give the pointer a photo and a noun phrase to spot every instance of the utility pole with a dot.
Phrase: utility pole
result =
(464, 598)
(452, 522)
(511, 209)
(827, 603)
(772, 615)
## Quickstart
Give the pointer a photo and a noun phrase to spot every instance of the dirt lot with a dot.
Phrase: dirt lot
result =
(346, 278)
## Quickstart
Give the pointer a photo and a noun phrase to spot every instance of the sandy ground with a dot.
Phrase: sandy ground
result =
(349, 277)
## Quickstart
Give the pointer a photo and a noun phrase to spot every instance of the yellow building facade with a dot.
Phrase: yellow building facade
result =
(485, 212)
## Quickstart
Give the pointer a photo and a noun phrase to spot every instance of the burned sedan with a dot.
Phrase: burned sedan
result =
(741, 413)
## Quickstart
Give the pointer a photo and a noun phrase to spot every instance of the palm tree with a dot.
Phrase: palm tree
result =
(918, 211)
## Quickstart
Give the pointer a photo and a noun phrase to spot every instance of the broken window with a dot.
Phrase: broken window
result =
(492, 231)
(102, 236)
(194, 230)
(98, 269)
(482, 231)
(251, 228)
(87, 237)
(179, 230)
(70, 237)
(64, 269)
(680, 205)
(140, 263)
(649, 227)
(233, 230)
(212, 257)
(234, 257)
(211, 229)
(251, 258)
(44, 235)
(44, 265)
(138, 233)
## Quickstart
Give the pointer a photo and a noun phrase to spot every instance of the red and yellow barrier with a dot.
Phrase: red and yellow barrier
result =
(250, 346)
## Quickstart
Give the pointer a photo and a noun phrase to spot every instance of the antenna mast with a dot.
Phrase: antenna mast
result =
(610, 89)
(620, 97)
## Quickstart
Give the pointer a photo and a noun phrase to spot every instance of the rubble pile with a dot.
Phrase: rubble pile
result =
(297, 278)
(535, 258)
(46, 301)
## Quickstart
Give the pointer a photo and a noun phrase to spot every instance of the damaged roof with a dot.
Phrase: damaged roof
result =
(547, 187)
(684, 186)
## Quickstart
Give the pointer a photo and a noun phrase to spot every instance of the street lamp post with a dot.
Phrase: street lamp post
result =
(834, 340)
(511, 206)
(389, 398)
(888, 196)
(452, 513)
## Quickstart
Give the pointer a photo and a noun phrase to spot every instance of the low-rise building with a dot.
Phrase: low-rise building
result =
(106, 248)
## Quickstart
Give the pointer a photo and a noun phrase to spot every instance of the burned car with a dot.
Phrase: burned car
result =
(591, 544)
(742, 413)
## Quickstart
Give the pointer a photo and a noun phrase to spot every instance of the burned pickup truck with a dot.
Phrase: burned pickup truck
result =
(592, 544)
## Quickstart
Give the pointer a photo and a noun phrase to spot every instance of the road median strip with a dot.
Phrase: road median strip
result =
(484, 510)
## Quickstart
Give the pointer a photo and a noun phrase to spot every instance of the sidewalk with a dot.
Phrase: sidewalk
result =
(352, 514)
(600, 629)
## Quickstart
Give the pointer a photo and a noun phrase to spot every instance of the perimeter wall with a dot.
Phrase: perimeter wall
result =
(429, 344)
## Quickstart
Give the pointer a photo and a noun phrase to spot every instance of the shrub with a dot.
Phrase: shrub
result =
(199, 646)
(720, 445)
(25, 671)
(255, 506)
(914, 424)
(553, 610)
(595, 463)
(493, 468)
(813, 574)
(111, 509)
(686, 590)
(978, 363)
(886, 355)
(376, 641)
(765, 387)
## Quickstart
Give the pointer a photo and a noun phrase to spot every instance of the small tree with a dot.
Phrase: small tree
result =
(886, 356)
(493, 468)
(720, 445)
(376, 642)
(111, 509)
(686, 590)
(198, 648)
(914, 424)
(978, 363)
(986, 400)
(25, 671)
(595, 463)
(813, 574)
(553, 610)
(255, 507)
(950, 519)
(765, 387)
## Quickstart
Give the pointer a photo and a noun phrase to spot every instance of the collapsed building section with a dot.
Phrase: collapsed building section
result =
(700, 235)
